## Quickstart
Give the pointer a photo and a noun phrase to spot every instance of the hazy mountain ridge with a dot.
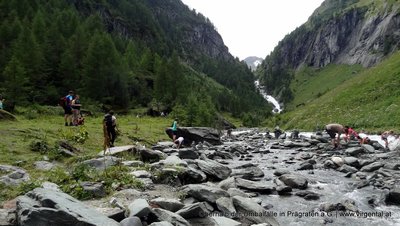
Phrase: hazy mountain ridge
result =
(253, 62)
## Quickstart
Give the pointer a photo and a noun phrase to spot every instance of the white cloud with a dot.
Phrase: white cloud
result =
(254, 27)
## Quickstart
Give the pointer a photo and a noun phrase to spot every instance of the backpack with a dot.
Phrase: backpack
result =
(62, 102)
(108, 120)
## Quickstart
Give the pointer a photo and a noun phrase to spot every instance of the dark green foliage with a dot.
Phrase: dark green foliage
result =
(118, 53)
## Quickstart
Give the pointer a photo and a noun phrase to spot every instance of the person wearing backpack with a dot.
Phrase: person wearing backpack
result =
(65, 103)
(110, 123)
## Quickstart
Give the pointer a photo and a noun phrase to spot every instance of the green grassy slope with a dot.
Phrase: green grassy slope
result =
(311, 83)
(370, 100)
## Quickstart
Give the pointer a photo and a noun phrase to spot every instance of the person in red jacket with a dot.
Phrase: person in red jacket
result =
(350, 133)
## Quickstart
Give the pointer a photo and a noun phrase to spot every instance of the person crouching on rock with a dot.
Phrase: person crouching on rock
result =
(332, 130)
(350, 133)
(179, 142)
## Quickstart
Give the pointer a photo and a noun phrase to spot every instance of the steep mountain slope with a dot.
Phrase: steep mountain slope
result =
(369, 100)
(341, 32)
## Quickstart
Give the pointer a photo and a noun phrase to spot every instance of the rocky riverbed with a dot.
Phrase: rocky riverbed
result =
(248, 178)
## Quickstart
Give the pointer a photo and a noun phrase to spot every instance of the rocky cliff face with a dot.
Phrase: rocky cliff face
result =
(351, 35)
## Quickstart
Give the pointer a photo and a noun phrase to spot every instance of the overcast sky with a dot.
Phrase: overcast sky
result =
(254, 27)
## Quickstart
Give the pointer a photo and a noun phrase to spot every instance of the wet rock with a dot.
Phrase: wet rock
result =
(262, 187)
(305, 166)
(172, 205)
(214, 169)
(337, 160)
(203, 192)
(329, 164)
(251, 172)
(368, 148)
(48, 207)
(284, 190)
(365, 162)
(280, 172)
(244, 206)
(173, 218)
(308, 195)
(371, 167)
(392, 166)
(347, 169)
(294, 181)
(393, 197)
(161, 223)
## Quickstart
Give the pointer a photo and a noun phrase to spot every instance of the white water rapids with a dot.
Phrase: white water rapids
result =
(269, 98)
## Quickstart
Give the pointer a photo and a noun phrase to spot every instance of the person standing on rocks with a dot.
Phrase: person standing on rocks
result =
(174, 128)
(333, 129)
(384, 137)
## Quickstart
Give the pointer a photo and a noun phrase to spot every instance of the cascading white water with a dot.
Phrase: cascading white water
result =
(269, 98)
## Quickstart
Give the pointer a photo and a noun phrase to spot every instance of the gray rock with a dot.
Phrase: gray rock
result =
(280, 172)
(308, 195)
(118, 150)
(237, 192)
(371, 167)
(347, 169)
(43, 165)
(246, 206)
(337, 160)
(305, 166)
(262, 187)
(174, 161)
(393, 197)
(224, 221)
(139, 208)
(94, 188)
(163, 145)
(141, 174)
(354, 151)
(51, 186)
(172, 205)
(102, 163)
(228, 183)
(192, 175)
(352, 161)
(133, 163)
(195, 210)
(225, 205)
(161, 223)
(173, 218)
(14, 175)
(214, 169)
(188, 153)
(294, 181)
(131, 221)
(197, 134)
(203, 192)
(148, 155)
(251, 172)
(48, 207)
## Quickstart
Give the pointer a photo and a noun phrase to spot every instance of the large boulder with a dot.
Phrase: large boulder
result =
(13, 175)
(47, 207)
(247, 208)
(203, 192)
(197, 134)
(294, 181)
(214, 169)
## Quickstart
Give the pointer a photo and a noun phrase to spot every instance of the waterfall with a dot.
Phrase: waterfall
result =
(269, 98)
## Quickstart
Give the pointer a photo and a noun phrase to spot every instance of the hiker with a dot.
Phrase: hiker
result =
(110, 122)
(350, 133)
(67, 100)
(1, 102)
(76, 110)
(179, 142)
(384, 137)
(332, 130)
(174, 128)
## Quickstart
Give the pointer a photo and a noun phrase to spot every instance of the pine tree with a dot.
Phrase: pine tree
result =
(16, 81)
